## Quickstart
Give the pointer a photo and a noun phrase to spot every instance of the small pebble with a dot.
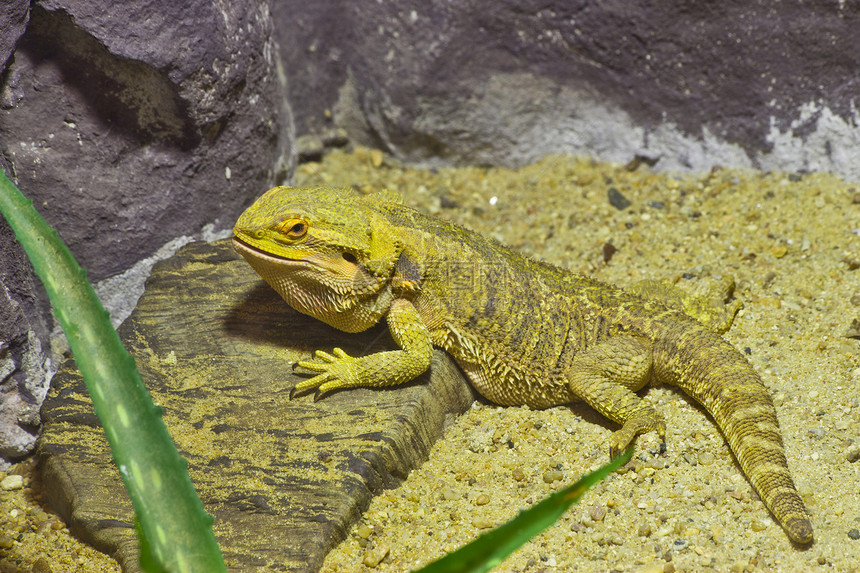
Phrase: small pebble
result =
(598, 512)
(706, 458)
(716, 533)
(644, 530)
(450, 493)
(552, 476)
(854, 534)
(363, 531)
(853, 455)
(376, 157)
(609, 251)
(652, 567)
(680, 544)
(664, 531)
(41, 565)
(6, 542)
(481, 522)
(758, 525)
(482, 499)
(518, 474)
(375, 556)
(816, 433)
(12, 482)
(617, 200)
(655, 464)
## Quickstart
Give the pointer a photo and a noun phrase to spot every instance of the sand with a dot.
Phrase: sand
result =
(792, 243)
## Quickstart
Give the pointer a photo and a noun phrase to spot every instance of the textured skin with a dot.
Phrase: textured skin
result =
(523, 331)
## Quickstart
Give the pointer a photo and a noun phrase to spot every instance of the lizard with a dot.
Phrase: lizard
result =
(523, 331)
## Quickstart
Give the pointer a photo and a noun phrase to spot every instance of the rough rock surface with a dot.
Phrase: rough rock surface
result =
(13, 21)
(23, 333)
(129, 125)
(284, 479)
(122, 120)
(487, 82)
(24, 367)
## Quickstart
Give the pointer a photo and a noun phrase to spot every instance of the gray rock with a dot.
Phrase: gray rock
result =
(142, 121)
(13, 21)
(129, 125)
(24, 367)
(747, 84)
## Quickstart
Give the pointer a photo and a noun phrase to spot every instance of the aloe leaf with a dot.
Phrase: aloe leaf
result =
(490, 549)
(177, 530)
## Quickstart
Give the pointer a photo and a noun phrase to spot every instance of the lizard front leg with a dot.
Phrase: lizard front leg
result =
(606, 377)
(340, 370)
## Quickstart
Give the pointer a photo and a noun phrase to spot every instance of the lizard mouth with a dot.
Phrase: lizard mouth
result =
(264, 262)
(246, 249)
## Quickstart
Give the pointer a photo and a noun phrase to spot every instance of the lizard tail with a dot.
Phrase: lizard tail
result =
(717, 376)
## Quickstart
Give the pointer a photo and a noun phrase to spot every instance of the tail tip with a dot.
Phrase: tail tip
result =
(799, 529)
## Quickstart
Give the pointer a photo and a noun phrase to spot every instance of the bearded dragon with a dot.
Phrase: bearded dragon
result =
(524, 332)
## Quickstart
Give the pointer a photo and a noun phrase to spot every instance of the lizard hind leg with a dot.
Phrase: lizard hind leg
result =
(714, 309)
(607, 376)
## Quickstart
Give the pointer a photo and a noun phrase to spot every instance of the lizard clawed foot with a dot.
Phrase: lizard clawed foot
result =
(644, 422)
(337, 370)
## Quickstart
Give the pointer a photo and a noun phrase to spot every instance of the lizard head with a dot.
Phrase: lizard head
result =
(326, 251)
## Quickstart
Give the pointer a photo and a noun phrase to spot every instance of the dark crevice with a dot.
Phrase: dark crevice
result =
(126, 95)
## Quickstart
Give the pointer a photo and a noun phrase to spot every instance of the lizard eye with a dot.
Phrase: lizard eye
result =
(293, 228)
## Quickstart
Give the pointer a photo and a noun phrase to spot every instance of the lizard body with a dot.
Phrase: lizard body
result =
(523, 331)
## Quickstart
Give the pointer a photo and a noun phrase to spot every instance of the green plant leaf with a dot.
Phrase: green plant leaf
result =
(176, 531)
(490, 549)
